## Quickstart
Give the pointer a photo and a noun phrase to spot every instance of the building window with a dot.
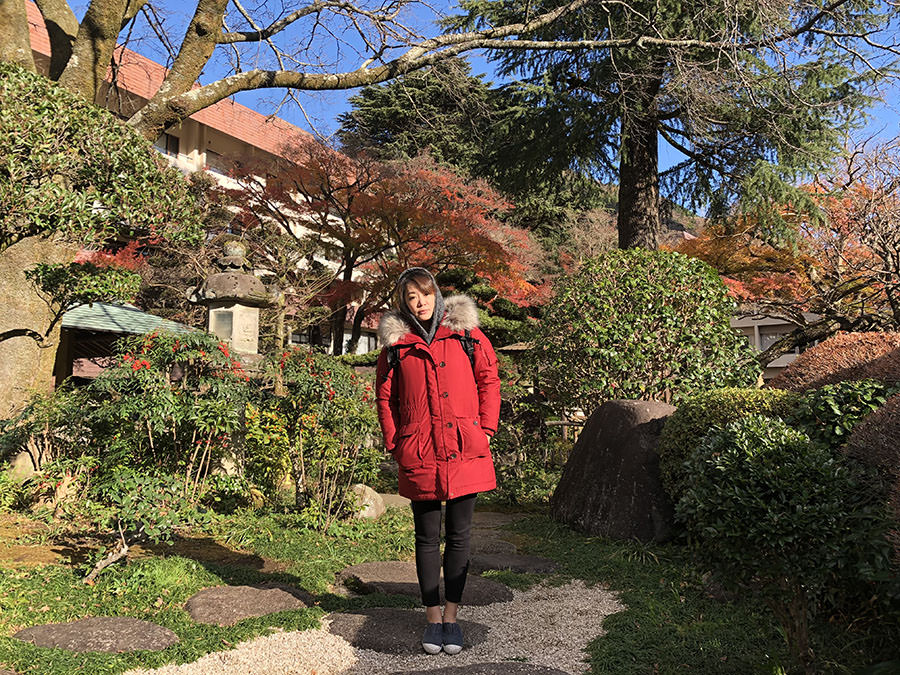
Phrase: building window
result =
(221, 323)
(298, 338)
(768, 336)
(214, 162)
(167, 144)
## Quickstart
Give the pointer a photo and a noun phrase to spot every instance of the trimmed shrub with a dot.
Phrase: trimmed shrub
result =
(845, 356)
(773, 513)
(876, 443)
(830, 413)
(694, 418)
(367, 360)
(638, 324)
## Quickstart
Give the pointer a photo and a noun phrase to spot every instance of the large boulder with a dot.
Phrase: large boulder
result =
(610, 486)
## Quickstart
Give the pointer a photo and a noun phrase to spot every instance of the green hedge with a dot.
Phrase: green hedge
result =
(830, 413)
(773, 513)
(694, 418)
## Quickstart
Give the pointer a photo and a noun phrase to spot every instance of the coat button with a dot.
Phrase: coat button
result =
(449, 425)
(445, 394)
(442, 364)
(475, 423)
(453, 456)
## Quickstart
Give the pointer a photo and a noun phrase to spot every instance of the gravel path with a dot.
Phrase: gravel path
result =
(545, 625)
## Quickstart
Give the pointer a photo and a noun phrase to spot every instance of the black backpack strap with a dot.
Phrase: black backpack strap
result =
(468, 344)
(393, 358)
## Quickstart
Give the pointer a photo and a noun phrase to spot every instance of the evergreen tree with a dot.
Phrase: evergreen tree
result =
(443, 110)
(753, 94)
(462, 122)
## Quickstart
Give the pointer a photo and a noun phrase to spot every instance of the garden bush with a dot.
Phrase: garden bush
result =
(168, 406)
(171, 403)
(876, 443)
(638, 324)
(830, 413)
(321, 433)
(842, 357)
(696, 416)
(47, 428)
(772, 513)
(70, 167)
(11, 492)
(528, 457)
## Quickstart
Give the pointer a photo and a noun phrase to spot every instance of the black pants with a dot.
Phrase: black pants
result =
(427, 518)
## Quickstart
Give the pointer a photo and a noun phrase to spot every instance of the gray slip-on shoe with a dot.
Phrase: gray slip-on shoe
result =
(453, 638)
(432, 640)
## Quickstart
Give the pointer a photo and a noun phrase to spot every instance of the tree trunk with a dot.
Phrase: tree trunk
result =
(62, 27)
(15, 43)
(196, 49)
(279, 342)
(801, 337)
(26, 366)
(356, 331)
(338, 321)
(93, 48)
(638, 219)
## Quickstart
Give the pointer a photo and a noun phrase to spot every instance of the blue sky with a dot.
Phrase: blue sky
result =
(323, 108)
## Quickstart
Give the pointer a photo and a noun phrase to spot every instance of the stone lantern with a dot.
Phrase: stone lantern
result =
(233, 297)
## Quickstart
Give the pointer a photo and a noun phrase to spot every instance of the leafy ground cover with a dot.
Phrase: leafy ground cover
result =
(676, 623)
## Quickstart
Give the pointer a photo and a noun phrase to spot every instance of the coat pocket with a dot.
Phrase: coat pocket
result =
(474, 440)
(408, 450)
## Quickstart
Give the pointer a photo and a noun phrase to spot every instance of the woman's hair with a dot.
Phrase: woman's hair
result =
(420, 280)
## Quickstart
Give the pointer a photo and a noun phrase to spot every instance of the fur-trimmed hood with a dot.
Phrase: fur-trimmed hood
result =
(460, 314)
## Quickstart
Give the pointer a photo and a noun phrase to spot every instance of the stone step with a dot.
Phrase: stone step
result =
(523, 564)
(502, 668)
(488, 543)
(112, 634)
(399, 578)
(226, 605)
(394, 631)
(494, 519)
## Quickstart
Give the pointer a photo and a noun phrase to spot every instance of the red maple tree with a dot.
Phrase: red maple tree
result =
(368, 220)
(841, 272)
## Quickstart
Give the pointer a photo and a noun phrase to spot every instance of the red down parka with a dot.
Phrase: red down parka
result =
(436, 410)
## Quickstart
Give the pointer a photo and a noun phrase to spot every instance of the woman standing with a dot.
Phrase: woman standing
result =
(438, 397)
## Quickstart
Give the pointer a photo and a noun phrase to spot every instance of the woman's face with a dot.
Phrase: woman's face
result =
(420, 304)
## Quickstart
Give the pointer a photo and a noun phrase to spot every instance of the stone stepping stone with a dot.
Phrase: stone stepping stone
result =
(504, 668)
(490, 544)
(226, 605)
(394, 631)
(100, 634)
(492, 519)
(523, 564)
(399, 578)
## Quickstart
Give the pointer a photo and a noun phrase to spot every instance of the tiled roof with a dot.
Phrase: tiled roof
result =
(142, 77)
(108, 318)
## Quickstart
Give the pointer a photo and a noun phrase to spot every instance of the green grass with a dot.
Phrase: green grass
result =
(156, 588)
(673, 625)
